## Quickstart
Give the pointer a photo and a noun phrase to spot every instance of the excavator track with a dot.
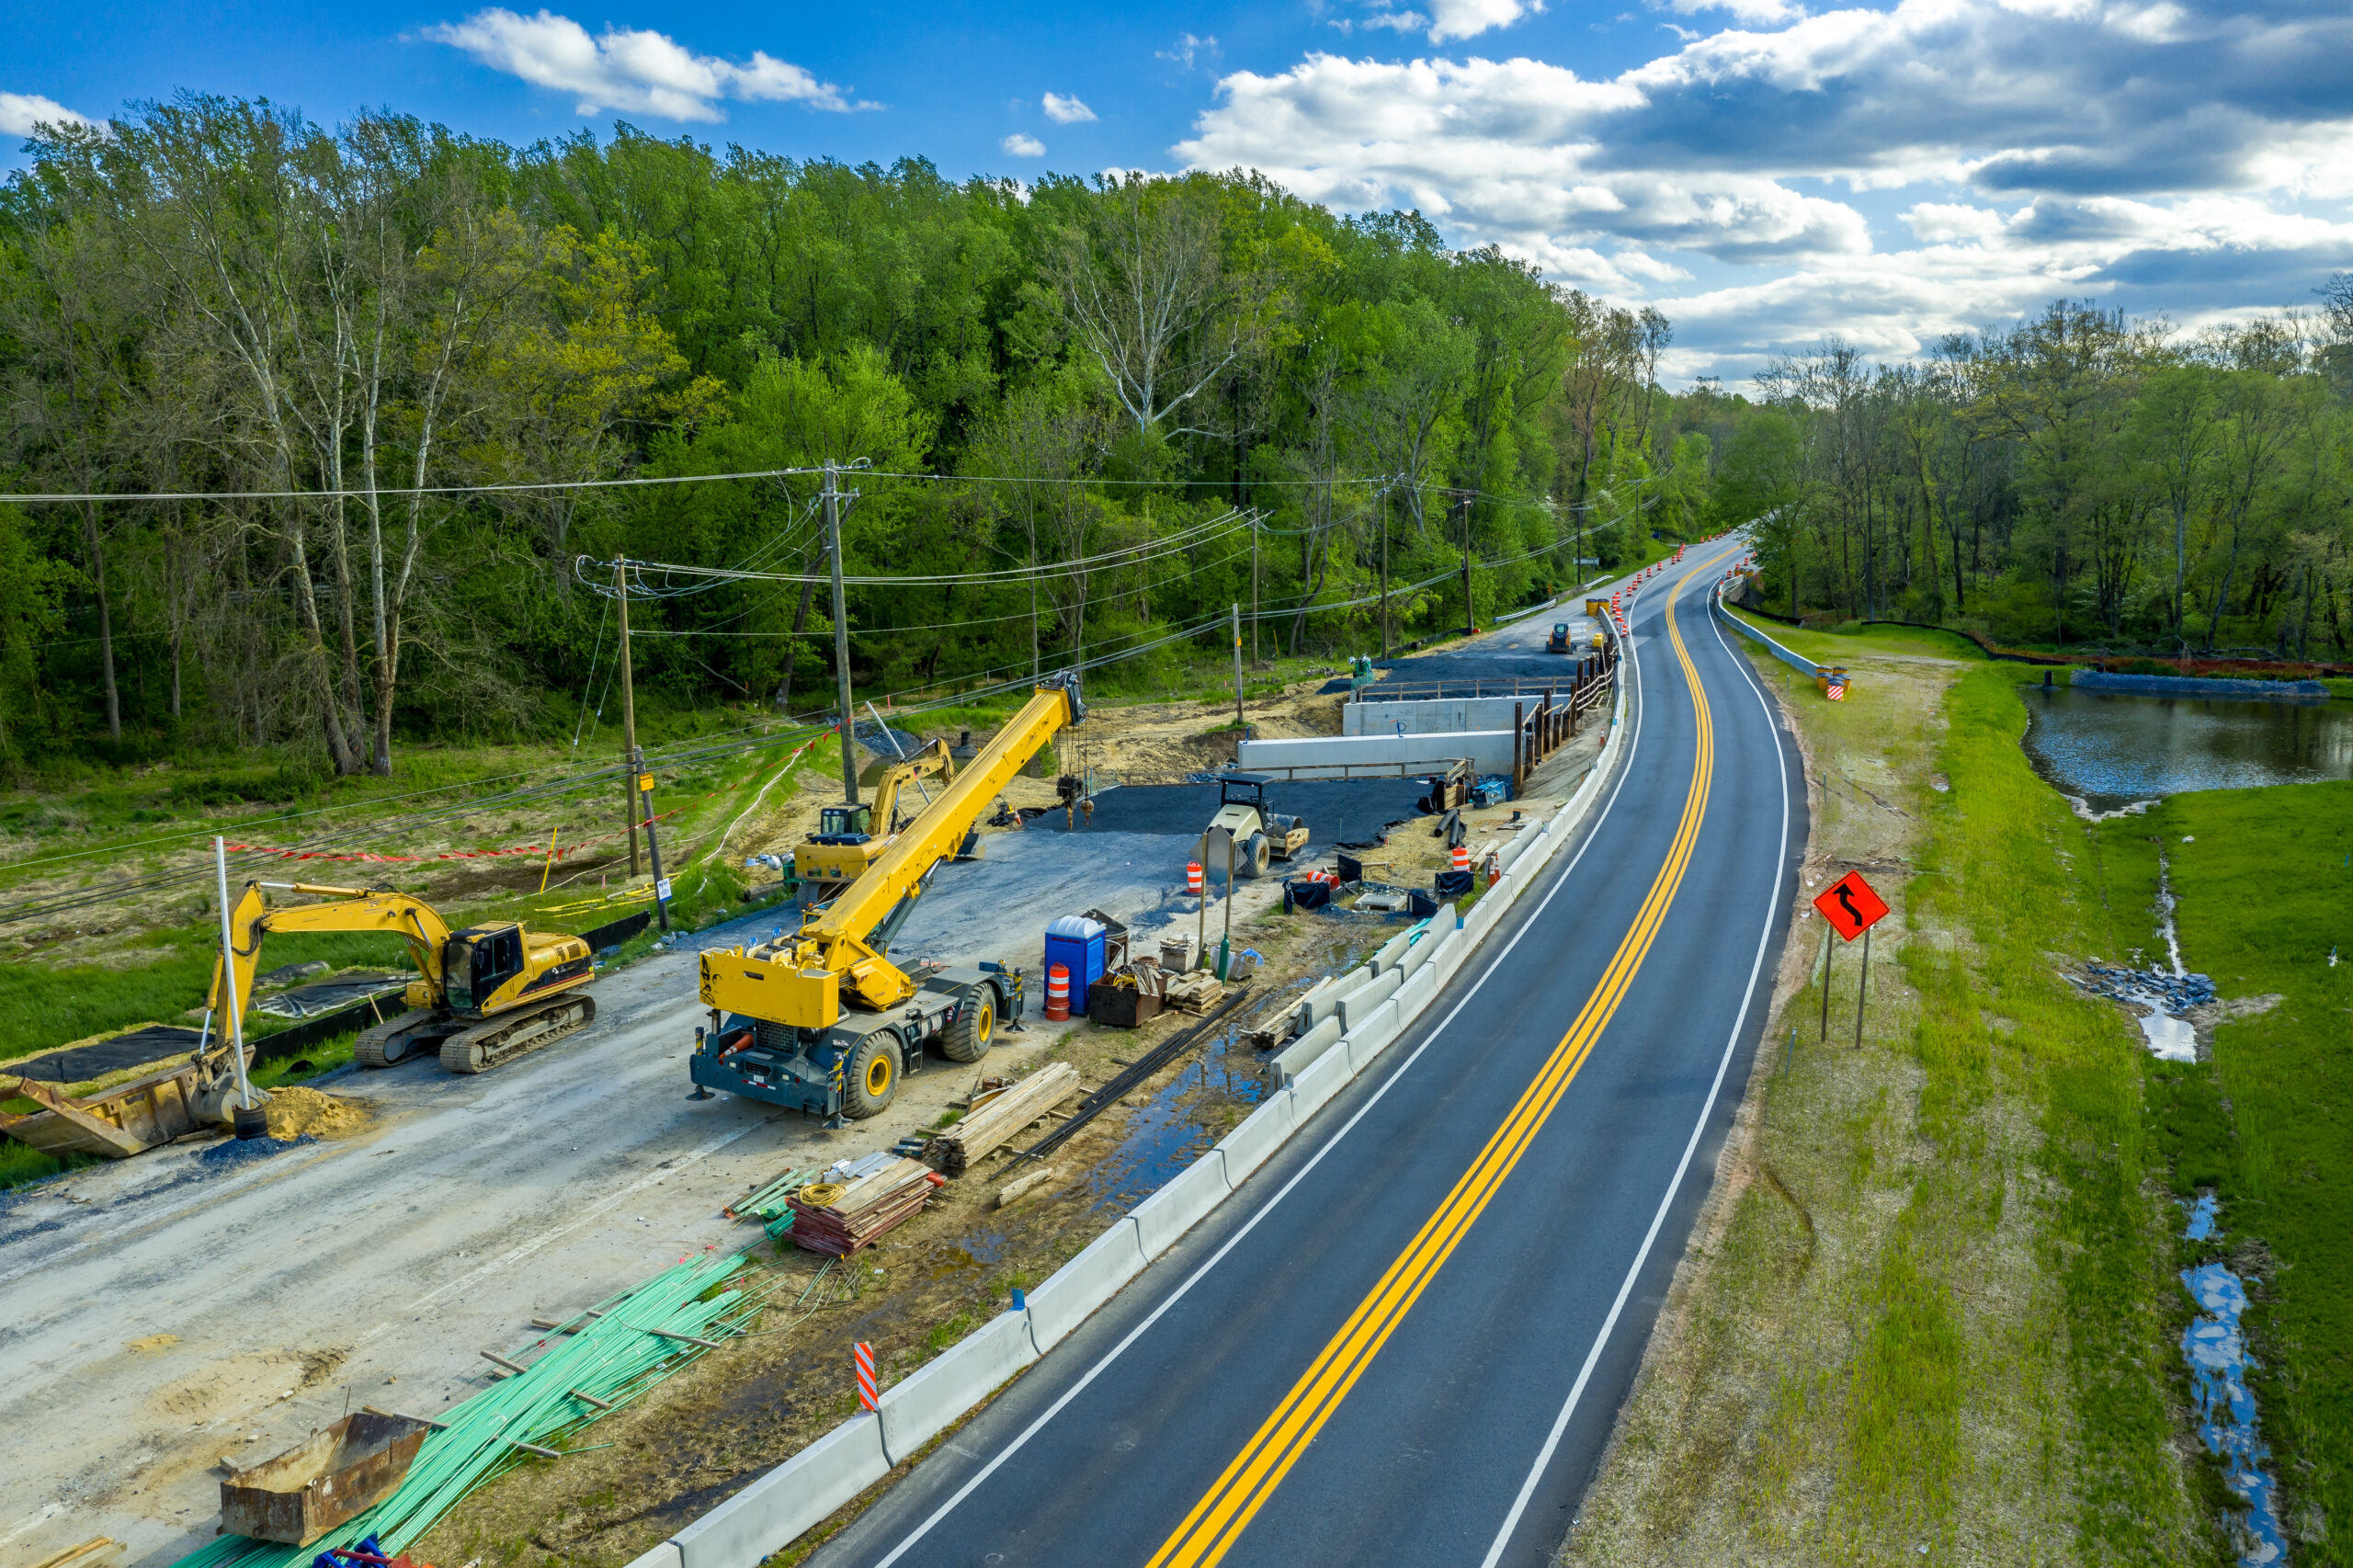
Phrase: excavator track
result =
(510, 1035)
(396, 1039)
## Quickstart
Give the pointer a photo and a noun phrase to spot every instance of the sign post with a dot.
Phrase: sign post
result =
(1852, 909)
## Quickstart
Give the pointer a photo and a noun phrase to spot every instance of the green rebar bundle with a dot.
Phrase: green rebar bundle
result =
(611, 1353)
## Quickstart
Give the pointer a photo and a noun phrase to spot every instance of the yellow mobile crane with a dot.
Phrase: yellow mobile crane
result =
(481, 996)
(821, 1021)
(850, 838)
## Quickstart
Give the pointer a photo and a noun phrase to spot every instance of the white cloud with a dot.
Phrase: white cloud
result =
(1396, 21)
(1469, 19)
(1022, 146)
(1066, 111)
(1187, 50)
(20, 112)
(1892, 173)
(634, 71)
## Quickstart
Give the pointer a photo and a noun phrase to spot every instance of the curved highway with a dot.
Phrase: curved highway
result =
(1406, 1339)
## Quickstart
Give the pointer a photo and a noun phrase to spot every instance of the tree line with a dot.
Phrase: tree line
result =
(2075, 479)
(324, 402)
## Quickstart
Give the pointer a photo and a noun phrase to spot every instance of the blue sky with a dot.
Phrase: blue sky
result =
(1764, 171)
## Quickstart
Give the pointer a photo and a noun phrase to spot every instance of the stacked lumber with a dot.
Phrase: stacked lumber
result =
(838, 1218)
(998, 1117)
(1196, 993)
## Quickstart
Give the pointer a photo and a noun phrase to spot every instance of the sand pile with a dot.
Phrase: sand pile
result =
(295, 1111)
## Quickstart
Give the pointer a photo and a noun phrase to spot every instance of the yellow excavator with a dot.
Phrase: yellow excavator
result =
(821, 1021)
(483, 995)
(850, 838)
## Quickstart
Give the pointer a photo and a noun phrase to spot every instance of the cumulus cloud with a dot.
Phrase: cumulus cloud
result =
(1022, 146)
(1066, 111)
(20, 112)
(1469, 19)
(631, 70)
(2010, 150)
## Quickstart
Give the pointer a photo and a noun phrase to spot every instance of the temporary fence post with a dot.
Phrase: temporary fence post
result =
(1826, 935)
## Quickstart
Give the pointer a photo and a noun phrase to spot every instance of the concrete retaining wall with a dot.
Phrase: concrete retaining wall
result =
(1442, 715)
(930, 1400)
(1335, 755)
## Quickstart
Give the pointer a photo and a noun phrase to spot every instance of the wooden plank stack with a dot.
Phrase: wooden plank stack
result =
(998, 1117)
(837, 1220)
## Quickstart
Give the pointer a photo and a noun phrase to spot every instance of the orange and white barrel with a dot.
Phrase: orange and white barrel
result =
(1058, 992)
(1193, 878)
(1461, 857)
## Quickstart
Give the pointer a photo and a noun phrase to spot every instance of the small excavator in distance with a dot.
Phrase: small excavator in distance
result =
(850, 838)
(483, 995)
(821, 1019)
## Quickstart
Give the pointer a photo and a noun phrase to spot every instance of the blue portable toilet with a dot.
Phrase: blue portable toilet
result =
(1076, 943)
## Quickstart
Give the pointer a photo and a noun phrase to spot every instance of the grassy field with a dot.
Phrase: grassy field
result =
(1837, 646)
(2263, 895)
(1932, 1309)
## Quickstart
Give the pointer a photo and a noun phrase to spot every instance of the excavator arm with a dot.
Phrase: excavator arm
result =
(804, 979)
(355, 909)
(927, 762)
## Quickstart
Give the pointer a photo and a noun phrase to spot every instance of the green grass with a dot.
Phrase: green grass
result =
(2264, 893)
(1855, 640)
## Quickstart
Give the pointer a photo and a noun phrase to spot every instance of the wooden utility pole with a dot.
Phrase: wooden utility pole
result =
(832, 499)
(639, 781)
(629, 719)
(1470, 616)
(1253, 590)
(1237, 676)
(1384, 571)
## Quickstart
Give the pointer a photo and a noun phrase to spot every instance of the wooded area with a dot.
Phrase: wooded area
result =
(1094, 416)
(2077, 478)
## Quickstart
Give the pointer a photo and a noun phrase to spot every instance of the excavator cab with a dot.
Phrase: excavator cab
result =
(477, 963)
(844, 824)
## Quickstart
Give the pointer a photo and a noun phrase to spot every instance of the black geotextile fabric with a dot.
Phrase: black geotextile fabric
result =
(83, 1063)
(1350, 811)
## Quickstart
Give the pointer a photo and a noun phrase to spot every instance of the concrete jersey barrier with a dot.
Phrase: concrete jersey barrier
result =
(1083, 1284)
(768, 1515)
(929, 1400)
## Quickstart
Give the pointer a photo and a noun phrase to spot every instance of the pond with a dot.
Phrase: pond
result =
(2109, 749)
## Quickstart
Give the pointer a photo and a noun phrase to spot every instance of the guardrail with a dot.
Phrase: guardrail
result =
(1716, 603)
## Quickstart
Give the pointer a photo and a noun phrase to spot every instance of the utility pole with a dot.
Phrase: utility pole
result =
(832, 499)
(629, 718)
(1384, 570)
(1468, 613)
(1253, 590)
(643, 782)
(1237, 675)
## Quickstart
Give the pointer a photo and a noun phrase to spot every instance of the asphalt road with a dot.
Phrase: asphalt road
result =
(1406, 1339)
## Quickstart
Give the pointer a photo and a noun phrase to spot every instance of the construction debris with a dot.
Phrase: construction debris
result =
(837, 1218)
(1021, 1186)
(1196, 993)
(993, 1120)
(2173, 994)
(294, 1110)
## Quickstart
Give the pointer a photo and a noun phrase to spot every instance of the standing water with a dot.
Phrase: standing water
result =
(2110, 749)
(2215, 1348)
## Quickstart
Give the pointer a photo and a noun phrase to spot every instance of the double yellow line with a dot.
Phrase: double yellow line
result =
(1219, 1517)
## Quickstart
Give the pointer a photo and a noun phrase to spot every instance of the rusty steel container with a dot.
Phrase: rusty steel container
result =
(327, 1480)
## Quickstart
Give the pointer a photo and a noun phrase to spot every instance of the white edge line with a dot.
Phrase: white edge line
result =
(1658, 1220)
(1528, 923)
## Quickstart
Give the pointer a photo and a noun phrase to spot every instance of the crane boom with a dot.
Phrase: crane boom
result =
(802, 980)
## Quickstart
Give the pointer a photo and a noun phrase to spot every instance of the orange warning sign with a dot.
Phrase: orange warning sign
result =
(1850, 905)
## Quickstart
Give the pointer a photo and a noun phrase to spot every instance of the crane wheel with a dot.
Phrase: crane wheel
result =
(503, 1038)
(969, 1039)
(870, 1077)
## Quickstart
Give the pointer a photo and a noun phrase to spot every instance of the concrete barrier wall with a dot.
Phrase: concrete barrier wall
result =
(1447, 957)
(1372, 1036)
(1083, 1284)
(1179, 1204)
(1358, 1004)
(1304, 1052)
(1415, 994)
(1794, 661)
(1418, 951)
(1320, 1004)
(1391, 952)
(1258, 1136)
(1321, 1080)
(765, 1516)
(1489, 751)
(663, 1556)
(929, 1401)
